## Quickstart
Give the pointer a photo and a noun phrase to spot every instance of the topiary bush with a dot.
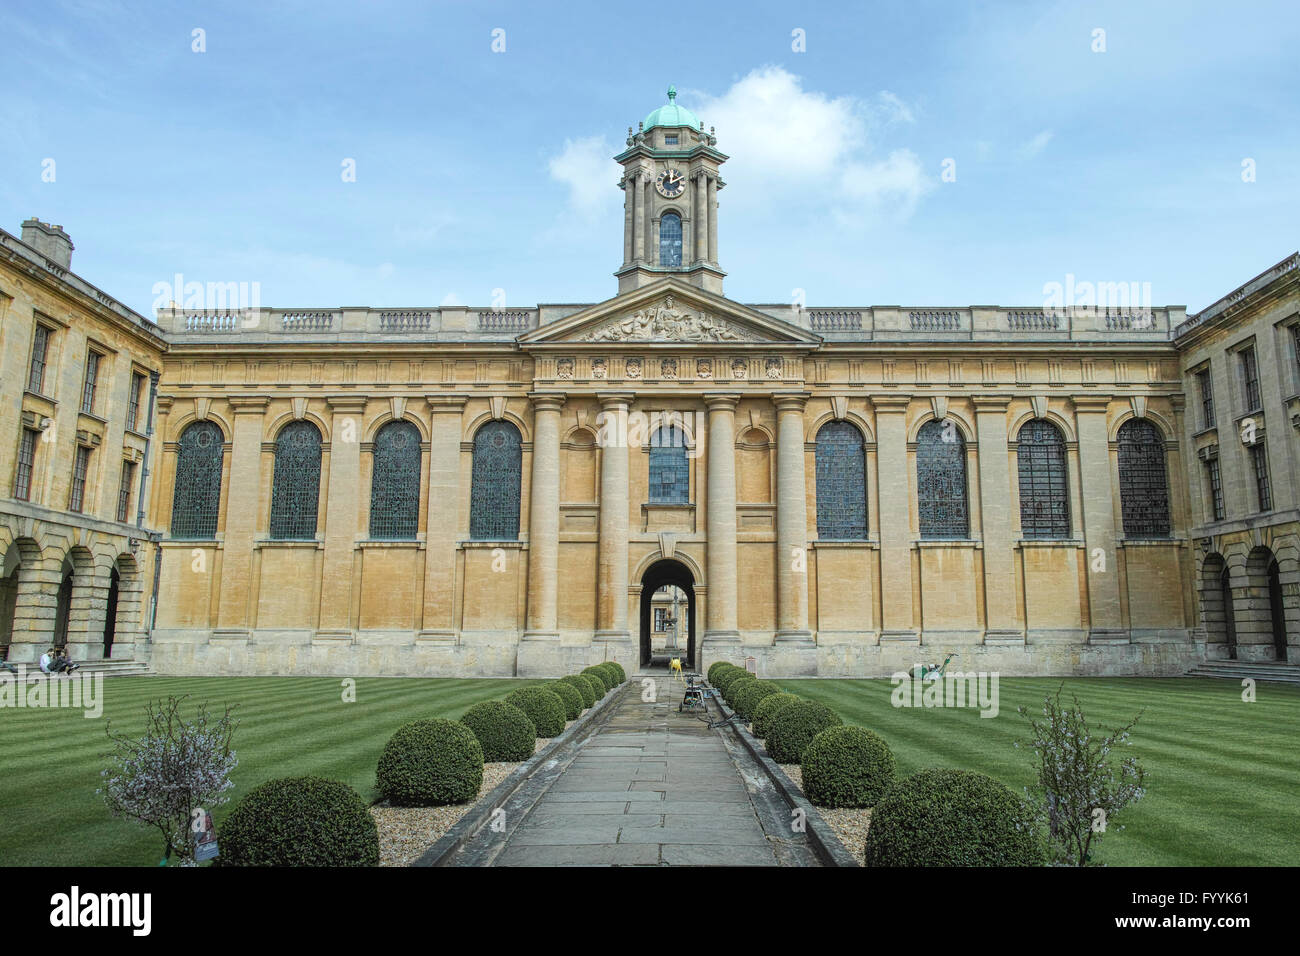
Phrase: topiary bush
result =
(617, 668)
(504, 731)
(766, 709)
(610, 674)
(571, 698)
(543, 707)
(794, 727)
(715, 671)
(583, 686)
(595, 685)
(300, 821)
(605, 678)
(847, 767)
(735, 684)
(750, 693)
(428, 763)
(952, 818)
(726, 677)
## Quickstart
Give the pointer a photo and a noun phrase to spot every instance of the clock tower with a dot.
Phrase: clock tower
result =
(670, 200)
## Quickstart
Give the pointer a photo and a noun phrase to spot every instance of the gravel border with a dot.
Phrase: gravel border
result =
(821, 835)
(849, 823)
(473, 816)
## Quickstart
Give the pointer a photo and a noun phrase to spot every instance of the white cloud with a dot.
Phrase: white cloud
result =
(801, 142)
(586, 167)
(450, 299)
(1031, 148)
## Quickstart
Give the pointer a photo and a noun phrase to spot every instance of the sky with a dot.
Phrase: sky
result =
(908, 153)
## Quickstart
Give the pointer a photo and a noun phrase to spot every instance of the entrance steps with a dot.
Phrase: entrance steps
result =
(115, 668)
(1256, 670)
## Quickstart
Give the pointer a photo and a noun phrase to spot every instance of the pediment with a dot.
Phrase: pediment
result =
(669, 312)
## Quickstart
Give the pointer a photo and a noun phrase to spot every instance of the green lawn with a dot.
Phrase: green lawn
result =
(1223, 776)
(50, 759)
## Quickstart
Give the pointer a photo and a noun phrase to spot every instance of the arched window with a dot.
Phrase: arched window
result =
(670, 239)
(495, 487)
(1143, 489)
(941, 481)
(197, 495)
(1044, 491)
(295, 488)
(670, 470)
(395, 482)
(841, 483)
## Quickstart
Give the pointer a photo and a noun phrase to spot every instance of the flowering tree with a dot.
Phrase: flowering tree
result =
(1079, 786)
(177, 768)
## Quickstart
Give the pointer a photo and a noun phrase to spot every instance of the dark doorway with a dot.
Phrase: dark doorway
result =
(63, 610)
(1229, 620)
(1276, 610)
(659, 575)
(110, 614)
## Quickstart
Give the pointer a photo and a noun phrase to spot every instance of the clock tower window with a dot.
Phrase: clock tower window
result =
(670, 240)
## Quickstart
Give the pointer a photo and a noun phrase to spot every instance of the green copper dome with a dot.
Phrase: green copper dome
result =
(672, 114)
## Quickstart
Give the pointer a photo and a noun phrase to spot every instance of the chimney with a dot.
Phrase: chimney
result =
(50, 241)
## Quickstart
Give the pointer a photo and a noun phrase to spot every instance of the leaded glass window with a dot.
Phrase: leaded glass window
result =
(1206, 386)
(670, 239)
(1044, 490)
(26, 461)
(1250, 379)
(92, 381)
(495, 487)
(941, 481)
(197, 495)
(295, 488)
(395, 483)
(1263, 489)
(1216, 488)
(841, 483)
(40, 347)
(1143, 488)
(80, 467)
(670, 470)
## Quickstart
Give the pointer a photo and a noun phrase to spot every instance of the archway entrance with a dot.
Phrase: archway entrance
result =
(664, 576)
(1276, 610)
(63, 608)
(1229, 614)
(110, 613)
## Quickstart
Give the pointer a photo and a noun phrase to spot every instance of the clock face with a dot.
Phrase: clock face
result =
(670, 183)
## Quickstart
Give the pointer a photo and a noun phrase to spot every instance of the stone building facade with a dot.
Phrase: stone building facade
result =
(840, 490)
(79, 375)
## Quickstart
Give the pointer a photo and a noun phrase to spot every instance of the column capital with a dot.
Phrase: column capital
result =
(614, 399)
(989, 404)
(1090, 404)
(890, 404)
(346, 404)
(721, 401)
(790, 401)
(248, 404)
(446, 404)
(548, 401)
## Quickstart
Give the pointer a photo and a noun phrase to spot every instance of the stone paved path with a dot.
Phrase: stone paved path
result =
(651, 787)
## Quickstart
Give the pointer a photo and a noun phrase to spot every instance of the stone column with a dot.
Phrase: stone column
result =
(87, 612)
(544, 519)
(1001, 625)
(1098, 520)
(701, 225)
(36, 601)
(898, 622)
(713, 219)
(243, 505)
(612, 550)
(443, 519)
(342, 499)
(638, 217)
(720, 551)
(629, 216)
(791, 522)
